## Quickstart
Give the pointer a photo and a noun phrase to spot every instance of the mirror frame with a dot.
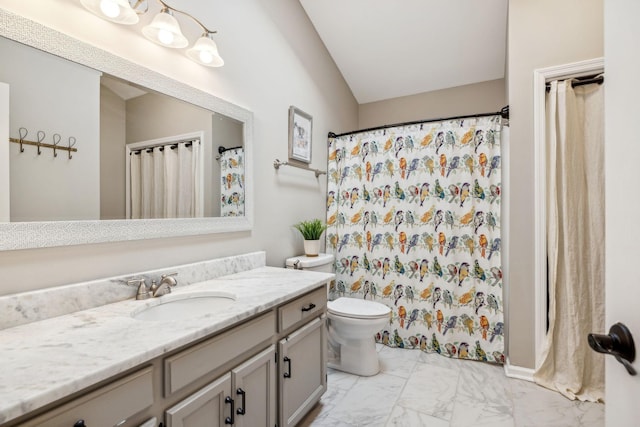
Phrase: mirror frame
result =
(26, 235)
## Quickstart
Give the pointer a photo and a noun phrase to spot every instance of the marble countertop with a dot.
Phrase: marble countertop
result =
(43, 361)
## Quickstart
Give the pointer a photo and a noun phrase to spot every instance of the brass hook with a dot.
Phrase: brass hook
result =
(72, 142)
(22, 137)
(56, 141)
(41, 136)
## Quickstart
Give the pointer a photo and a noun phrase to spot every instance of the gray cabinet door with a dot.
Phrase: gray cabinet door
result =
(254, 390)
(302, 371)
(206, 407)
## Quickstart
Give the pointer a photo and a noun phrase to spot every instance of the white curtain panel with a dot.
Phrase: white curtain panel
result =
(575, 240)
(185, 182)
(170, 188)
(158, 183)
(196, 179)
(135, 183)
(167, 182)
(146, 173)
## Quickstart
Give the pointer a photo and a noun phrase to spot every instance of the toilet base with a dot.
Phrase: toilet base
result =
(358, 357)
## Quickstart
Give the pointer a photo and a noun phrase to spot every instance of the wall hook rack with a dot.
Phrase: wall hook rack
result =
(40, 144)
(277, 163)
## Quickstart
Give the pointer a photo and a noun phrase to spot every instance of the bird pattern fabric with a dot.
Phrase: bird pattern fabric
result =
(413, 215)
(232, 182)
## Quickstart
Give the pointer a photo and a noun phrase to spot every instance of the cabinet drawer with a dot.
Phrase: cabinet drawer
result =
(307, 306)
(108, 406)
(192, 364)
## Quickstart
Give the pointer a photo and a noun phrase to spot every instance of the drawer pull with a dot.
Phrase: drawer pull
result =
(309, 307)
(80, 423)
(241, 410)
(230, 420)
(288, 373)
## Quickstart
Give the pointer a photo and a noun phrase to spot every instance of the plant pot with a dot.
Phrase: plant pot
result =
(311, 247)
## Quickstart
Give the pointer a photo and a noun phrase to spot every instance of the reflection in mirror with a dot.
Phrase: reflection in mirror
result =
(141, 154)
(232, 180)
(65, 177)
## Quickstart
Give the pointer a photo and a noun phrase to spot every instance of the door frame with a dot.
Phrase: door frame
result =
(541, 77)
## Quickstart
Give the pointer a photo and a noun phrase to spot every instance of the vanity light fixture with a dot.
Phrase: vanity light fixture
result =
(164, 29)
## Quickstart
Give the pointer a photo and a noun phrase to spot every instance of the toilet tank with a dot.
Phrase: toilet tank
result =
(322, 262)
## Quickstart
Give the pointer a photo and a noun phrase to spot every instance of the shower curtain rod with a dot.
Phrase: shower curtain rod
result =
(584, 80)
(504, 113)
(173, 145)
(222, 149)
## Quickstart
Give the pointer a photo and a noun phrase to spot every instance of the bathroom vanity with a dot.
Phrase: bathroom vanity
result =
(259, 360)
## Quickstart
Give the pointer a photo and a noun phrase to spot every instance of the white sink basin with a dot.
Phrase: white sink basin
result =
(184, 306)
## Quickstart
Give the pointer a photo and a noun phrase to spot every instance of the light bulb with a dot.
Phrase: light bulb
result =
(165, 37)
(205, 52)
(110, 8)
(206, 57)
(165, 30)
(118, 11)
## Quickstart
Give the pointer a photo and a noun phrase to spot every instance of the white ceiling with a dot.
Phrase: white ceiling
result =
(391, 48)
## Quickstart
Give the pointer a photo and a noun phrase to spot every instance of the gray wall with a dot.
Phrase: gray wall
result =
(112, 162)
(476, 98)
(274, 59)
(542, 33)
(53, 96)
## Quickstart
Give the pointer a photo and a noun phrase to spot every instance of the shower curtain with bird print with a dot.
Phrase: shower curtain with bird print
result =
(232, 182)
(413, 215)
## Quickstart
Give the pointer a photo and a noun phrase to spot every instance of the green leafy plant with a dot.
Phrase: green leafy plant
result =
(311, 230)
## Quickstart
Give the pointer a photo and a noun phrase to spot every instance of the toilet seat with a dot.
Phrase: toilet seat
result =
(357, 308)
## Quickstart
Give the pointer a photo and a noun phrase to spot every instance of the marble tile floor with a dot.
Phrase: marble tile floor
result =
(416, 389)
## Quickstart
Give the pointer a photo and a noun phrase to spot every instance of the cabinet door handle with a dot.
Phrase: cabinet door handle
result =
(309, 307)
(241, 411)
(230, 420)
(288, 362)
(80, 423)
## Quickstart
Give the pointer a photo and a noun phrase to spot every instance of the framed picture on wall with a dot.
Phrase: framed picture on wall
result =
(300, 126)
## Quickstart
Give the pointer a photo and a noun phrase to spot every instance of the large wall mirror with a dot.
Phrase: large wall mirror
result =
(123, 134)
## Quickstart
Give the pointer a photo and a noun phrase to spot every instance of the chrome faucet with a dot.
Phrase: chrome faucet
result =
(143, 292)
(167, 281)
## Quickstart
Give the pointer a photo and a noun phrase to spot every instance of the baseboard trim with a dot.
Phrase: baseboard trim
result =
(518, 372)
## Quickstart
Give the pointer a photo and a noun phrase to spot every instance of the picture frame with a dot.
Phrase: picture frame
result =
(300, 132)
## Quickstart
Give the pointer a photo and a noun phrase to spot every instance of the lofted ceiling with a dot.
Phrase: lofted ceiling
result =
(124, 90)
(391, 48)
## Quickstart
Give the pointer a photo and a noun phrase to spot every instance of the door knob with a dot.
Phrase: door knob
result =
(618, 343)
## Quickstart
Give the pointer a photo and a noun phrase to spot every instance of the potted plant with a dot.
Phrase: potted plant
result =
(311, 232)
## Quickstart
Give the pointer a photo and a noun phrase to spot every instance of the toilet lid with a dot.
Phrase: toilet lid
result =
(357, 308)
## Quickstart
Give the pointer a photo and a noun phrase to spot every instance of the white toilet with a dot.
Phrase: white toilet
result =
(352, 324)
